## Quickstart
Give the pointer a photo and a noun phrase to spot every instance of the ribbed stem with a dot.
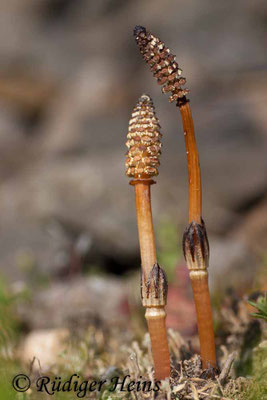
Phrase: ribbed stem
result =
(199, 278)
(155, 316)
(145, 227)
(194, 177)
(204, 319)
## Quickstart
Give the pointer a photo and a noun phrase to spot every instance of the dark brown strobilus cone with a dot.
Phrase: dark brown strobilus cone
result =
(195, 242)
(142, 161)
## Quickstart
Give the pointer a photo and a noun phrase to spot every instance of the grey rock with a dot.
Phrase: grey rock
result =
(81, 301)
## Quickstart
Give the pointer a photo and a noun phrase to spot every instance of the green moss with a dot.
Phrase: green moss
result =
(257, 390)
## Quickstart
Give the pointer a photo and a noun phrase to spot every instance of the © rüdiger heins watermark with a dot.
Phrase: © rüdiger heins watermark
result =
(50, 386)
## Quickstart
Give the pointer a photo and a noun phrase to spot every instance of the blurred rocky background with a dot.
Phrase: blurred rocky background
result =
(70, 74)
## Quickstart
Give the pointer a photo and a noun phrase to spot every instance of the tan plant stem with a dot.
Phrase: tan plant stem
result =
(152, 280)
(204, 318)
(196, 247)
(156, 322)
(194, 177)
(145, 226)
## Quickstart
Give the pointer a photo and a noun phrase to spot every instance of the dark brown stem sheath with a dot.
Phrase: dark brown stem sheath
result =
(204, 319)
(155, 316)
(194, 177)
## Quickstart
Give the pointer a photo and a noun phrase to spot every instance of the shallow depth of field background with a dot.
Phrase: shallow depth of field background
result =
(70, 74)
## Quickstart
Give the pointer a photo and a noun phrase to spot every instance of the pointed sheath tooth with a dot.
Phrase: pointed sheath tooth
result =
(154, 290)
(196, 247)
(144, 146)
(162, 63)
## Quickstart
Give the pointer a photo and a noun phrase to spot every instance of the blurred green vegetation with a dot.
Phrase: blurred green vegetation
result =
(261, 307)
(11, 327)
(256, 364)
(9, 335)
(169, 250)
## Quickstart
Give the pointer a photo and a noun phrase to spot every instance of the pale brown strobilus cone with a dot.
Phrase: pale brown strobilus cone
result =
(195, 242)
(142, 162)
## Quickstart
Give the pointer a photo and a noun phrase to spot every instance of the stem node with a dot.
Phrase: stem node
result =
(154, 289)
